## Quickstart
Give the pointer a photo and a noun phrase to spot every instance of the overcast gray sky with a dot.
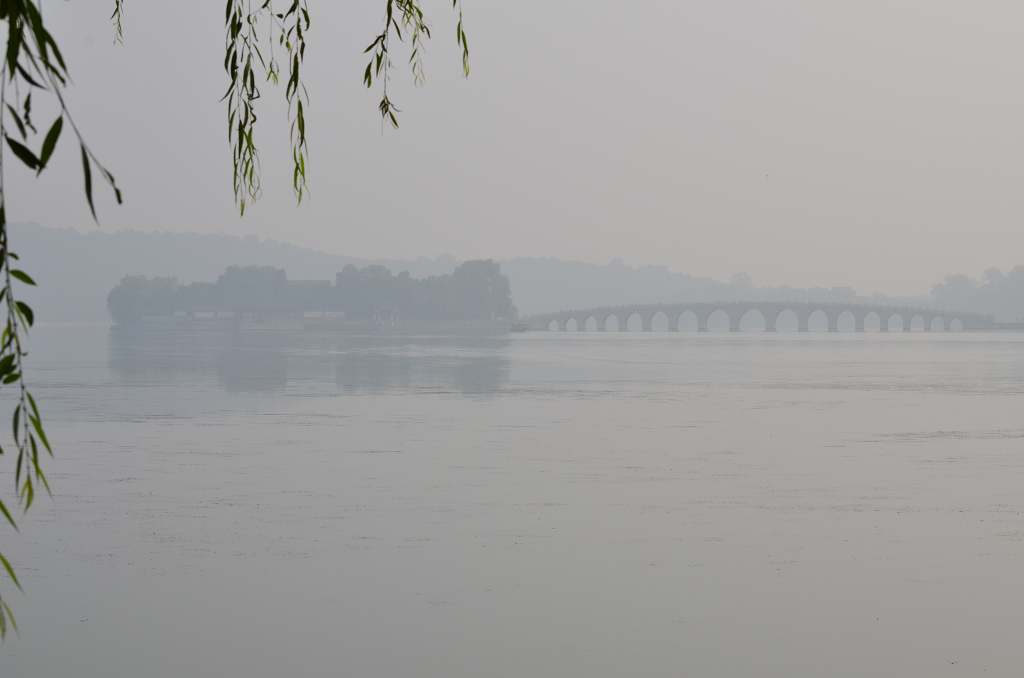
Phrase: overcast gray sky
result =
(873, 143)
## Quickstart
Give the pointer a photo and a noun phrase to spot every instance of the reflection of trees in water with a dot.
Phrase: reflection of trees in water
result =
(471, 364)
(135, 352)
(253, 370)
(481, 375)
(241, 363)
(378, 372)
(266, 361)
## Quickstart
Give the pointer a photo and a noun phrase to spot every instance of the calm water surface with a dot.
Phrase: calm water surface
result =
(534, 505)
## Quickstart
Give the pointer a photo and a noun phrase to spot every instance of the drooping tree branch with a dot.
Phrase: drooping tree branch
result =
(33, 64)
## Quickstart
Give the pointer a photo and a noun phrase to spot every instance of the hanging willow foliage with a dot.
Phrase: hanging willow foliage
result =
(257, 35)
(408, 15)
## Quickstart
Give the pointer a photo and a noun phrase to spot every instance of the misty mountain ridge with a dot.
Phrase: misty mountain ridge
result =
(76, 270)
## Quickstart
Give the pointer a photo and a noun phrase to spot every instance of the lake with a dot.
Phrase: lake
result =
(539, 504)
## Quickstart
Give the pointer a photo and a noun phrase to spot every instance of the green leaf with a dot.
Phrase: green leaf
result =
(38, 426)
(10, 571)
(40, 476)
(29, 492)
(22, 276)
(10, 615)
(373, 44)
(17, 468)
(87, 177)
(15, 420)
(17, 121)
(25, 155)
(28, 78)
(14, 42)
(50, 143)
(7, 514)
(26, 312)
(32, 404)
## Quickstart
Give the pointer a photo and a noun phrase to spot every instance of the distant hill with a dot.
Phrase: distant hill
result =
(76, 270)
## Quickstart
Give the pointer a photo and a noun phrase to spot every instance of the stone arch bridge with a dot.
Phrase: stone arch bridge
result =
(698, 316)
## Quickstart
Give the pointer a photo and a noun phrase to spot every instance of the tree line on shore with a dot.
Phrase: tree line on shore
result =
(998, 293)
(474, 291)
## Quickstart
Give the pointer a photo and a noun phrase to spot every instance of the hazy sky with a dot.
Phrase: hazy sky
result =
(874, 144)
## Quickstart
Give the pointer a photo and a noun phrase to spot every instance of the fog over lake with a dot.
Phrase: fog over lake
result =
(512, 339)
(301, 503)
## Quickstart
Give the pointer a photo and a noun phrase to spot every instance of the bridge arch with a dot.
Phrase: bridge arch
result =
(787, 320)
(716, 320)
(687, 322)
(751, 315)
(871, 322)
(752, 320)
(818, 321)
(634, 322)
(658, 322)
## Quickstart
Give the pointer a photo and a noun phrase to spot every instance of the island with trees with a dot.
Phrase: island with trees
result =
(476, 294)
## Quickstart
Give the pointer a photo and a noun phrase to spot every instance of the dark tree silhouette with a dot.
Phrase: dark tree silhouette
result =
(475, 291)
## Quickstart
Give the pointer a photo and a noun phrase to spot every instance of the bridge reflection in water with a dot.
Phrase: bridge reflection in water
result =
(771, 316)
